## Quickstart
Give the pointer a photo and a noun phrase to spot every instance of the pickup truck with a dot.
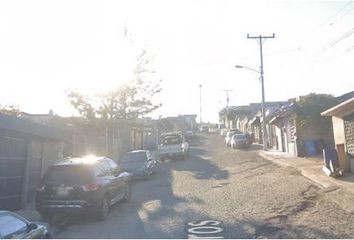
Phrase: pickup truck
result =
(173, 145)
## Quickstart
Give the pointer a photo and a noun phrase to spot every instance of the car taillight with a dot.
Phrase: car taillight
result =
(90, 187)
(40, 188)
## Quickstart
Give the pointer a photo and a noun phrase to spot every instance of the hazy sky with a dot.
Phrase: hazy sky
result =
(50, 47)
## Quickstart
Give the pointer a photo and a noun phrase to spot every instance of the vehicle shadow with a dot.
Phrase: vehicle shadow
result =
(253, 147)
(201, 167)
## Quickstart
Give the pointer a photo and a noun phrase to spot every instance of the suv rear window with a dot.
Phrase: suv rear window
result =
(172, 139)
(69, 174)
(240, 136)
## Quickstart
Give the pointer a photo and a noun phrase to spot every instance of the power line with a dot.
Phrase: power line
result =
(340, 10)
(338, 40)
(345, 14)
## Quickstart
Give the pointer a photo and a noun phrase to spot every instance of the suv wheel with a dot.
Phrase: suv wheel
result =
(60, 220)
(103, 209)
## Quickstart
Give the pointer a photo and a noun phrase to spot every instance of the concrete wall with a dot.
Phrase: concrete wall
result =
(338, 129)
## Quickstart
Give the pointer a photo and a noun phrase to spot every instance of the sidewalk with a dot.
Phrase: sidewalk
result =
(340, 190)
(29, 212)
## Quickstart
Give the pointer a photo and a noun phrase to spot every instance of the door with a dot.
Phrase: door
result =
(342, 158)
(12, 170)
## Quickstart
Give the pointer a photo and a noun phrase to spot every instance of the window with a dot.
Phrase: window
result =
(173, 139)
(101, 168)
(11, 225)
(69, 174)
(148, 155)
(134, 157)
(112, 163)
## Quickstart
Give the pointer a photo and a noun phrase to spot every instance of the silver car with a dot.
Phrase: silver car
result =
(239, 141)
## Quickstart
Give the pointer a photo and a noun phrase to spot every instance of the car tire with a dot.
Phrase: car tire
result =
(103, 209)
(47, 236)
(127, 193)
(60, 221)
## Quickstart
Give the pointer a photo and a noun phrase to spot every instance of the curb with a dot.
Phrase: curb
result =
(331, 190)
(311, 174)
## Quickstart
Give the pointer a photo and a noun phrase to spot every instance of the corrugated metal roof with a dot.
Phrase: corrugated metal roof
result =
(28, 127)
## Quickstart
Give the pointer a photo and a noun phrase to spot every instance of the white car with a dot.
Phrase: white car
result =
(240, 141)
(173, 145)
(223, 132)
(228, 137)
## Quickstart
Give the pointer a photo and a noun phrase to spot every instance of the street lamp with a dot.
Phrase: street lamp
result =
(254, 70)
(263, 111)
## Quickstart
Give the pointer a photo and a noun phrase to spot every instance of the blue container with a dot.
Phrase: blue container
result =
(310, 148)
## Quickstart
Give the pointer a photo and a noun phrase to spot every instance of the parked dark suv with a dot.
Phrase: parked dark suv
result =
(89, 184)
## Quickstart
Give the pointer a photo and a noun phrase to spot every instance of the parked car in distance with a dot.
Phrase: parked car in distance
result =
(204, 128)
(250, 137)
(15, 226)
(223, 132)
(173, 145)
(189, 135)
(139, 163)
(88, 184)
(228, 137)
(239, 141)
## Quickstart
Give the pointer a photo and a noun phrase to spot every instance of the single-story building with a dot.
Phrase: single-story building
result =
(343, 131)
(26, 151)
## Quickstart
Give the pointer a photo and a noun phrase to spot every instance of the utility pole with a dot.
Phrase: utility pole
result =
(260, 39)
(200, 103)
(227, 97)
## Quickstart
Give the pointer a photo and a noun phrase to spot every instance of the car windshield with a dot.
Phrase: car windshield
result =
(134, 157)
(10, 225)
(240, 136)
(69, 174)
(229, 134)
(173, 139)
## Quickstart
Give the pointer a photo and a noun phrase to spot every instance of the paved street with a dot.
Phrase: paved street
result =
(251, 198)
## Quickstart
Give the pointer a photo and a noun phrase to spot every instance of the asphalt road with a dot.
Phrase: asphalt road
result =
(222, 193)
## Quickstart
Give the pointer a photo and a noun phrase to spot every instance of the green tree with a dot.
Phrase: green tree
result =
(309, 109)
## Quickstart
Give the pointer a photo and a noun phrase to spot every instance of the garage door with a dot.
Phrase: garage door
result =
(12, 167)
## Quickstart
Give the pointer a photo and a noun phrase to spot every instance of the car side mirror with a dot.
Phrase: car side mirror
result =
(32, 226)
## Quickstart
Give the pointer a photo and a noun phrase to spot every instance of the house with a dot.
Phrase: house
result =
(254, 117)
(299, 129)
(26, 150)
(38, 118)
(343, 131)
